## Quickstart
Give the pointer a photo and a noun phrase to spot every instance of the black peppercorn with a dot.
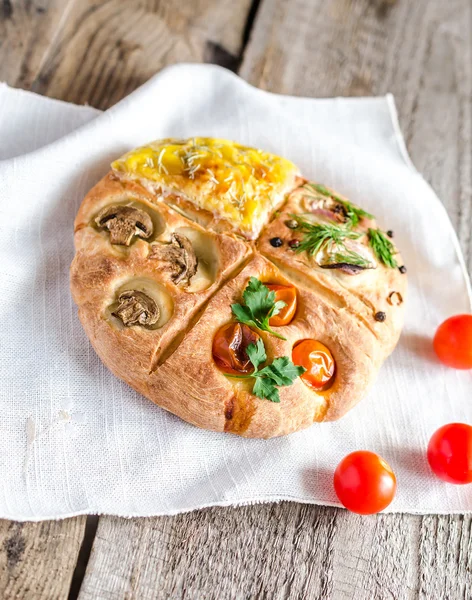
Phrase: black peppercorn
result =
(276, 242)
(294, 243)
(402, 269)
(291, 224)
(380, 316)
(390, 233)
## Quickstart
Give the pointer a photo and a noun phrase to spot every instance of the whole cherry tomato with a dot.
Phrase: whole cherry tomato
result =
(318, 362)
(364, 482)
(450, 453)
(229, 348)
(453, 342)
(288, 294)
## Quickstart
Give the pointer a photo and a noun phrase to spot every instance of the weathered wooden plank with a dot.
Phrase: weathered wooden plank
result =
(286, 551)
(37, 560)
(105, 50)
(248, 552)
(445, 556)
(27, 30)
(376, 557)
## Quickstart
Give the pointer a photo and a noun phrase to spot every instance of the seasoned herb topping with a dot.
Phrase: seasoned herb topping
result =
(333, 246)
(259, 306)
(342, 210)
(280, 372)
(383, 247)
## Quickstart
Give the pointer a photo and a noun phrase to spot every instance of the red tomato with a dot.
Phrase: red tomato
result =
(364, 482)
(288, 294)
(317, 360)
(453, 342)
(229, 348)
(450, 453)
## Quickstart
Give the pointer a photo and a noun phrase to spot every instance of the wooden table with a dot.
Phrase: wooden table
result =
(96, 52)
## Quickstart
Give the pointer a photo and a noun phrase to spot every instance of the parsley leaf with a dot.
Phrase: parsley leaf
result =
(383, 247)
(257, 354)
(259, 306)
(264, 388)
(280, 372)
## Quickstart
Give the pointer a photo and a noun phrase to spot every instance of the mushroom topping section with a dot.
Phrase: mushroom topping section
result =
(136, 308)
(180, 258)
(124, 222)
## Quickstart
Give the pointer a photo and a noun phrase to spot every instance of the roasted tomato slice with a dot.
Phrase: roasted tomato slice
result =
(288, 294)
(229, 348)
(318, 362)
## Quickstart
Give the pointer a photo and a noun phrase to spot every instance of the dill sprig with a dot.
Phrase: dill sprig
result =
(317, 235)
(354, 214)
(383, 248)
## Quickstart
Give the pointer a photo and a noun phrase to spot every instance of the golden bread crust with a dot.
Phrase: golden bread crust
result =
(170, 360)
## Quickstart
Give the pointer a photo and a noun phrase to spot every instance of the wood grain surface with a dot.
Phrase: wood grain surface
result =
(37, 560)
(97, 52)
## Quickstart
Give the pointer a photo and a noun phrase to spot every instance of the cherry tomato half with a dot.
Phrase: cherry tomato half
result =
(450, 453)
(318, 362)
(229, 348)
(364, 482)
(288, 294)
(453, 342)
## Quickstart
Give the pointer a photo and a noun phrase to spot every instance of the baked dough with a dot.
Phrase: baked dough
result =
(161, 254)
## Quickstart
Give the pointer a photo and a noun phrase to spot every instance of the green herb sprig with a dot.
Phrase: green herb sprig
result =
(259, 306)
(383, 248)
(316, 235)
(354, 214)
(279, 373)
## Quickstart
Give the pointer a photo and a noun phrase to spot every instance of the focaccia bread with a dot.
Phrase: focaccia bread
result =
(219, 283)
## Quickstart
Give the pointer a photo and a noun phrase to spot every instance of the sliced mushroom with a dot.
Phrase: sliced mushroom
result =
(180, 257)
(350, 257)
(136, 308)
(124, 222)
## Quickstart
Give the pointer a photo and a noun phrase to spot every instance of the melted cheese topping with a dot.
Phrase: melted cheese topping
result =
(239, 184)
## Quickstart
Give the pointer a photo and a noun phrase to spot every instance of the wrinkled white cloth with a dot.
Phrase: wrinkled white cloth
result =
(74, 439)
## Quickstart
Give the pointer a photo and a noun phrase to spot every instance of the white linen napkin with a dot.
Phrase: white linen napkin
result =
(74, 439)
